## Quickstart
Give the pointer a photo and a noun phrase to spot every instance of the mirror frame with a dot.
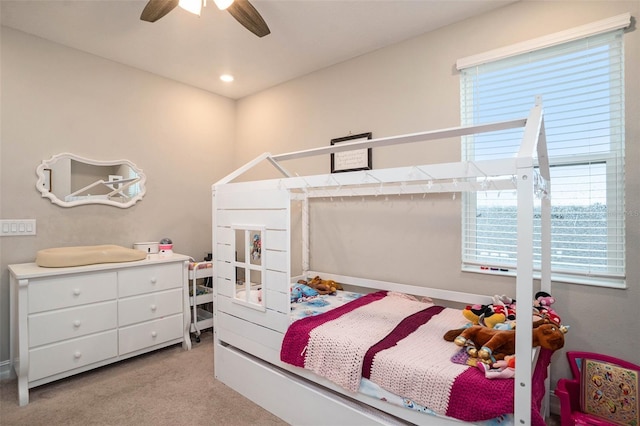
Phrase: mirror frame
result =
(46, 164)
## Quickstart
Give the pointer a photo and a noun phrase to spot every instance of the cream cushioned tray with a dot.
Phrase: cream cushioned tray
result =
(61, 257)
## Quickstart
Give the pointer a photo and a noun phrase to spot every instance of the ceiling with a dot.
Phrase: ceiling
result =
(306, 35)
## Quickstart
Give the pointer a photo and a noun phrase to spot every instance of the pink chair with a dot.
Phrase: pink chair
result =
(603, 391)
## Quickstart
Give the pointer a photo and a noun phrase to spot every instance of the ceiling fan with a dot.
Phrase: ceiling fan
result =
(241, 10)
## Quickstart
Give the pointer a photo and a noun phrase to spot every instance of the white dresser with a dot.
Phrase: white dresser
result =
(68, 320)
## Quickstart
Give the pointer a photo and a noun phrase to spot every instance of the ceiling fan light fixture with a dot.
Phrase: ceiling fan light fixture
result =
(223, 4)
(193, 6)
(241, 10)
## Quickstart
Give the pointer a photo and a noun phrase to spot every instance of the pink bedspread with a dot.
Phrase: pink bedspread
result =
(396, 342)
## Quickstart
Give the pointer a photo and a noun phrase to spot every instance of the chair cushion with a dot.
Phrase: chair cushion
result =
(609, 392)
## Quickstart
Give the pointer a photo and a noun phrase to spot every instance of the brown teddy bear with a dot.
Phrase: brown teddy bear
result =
(490, 344)
(322, 286)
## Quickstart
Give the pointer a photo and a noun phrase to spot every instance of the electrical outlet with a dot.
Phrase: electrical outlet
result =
(17, 227)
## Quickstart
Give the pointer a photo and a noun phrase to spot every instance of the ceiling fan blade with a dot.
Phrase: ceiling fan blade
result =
(156, 9)
(249, 17)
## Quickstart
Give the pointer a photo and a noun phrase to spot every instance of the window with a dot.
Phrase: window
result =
(582, 87)
(249, 266)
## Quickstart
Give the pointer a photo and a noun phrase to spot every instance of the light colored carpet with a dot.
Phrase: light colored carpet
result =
(167, 387)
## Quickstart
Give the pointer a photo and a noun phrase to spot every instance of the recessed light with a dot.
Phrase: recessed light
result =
(226, 78)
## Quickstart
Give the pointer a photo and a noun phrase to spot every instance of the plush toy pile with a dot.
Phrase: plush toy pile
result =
(490, 344)
(501, 314)
(490, 335)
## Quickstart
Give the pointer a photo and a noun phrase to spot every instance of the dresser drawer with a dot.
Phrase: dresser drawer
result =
(149, 306)
(71, 290)
(52, 326)
(49, 360)
(150, 333)
(149, 278)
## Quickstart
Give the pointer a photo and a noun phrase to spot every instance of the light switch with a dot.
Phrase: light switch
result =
(18, 227)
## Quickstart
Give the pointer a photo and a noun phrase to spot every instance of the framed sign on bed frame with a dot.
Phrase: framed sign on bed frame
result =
(350, 161)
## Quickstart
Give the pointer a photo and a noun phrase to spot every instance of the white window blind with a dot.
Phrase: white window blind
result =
(582, 87)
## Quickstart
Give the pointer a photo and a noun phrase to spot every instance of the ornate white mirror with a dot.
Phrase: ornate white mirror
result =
(69, 180)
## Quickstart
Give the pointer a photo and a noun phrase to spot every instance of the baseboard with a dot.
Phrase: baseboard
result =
(5, 370)
(554, 403)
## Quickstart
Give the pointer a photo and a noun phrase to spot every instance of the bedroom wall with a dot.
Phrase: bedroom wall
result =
(413, 86)
(56, 99)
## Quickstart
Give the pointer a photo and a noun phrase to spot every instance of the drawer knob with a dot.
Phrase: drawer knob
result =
(76, 323)
(154, 334)
(77, 355)
(76, 292)
(154, 280)
(153, 308)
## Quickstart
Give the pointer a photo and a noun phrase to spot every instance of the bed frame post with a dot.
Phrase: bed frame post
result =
(305, 235)
(545, 212)
(545, 238)
(524, 291)
(524, 279)
(214, 278)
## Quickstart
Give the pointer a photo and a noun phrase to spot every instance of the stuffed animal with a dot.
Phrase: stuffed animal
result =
(473, 312)
(490, 344)
(302, 292)
(543, 299)
(502, 313)
(322, 286)
(542, 307)
(509, 361)
(502, 310)
(503, 369)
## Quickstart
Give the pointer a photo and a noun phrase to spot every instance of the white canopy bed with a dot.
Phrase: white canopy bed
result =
(253, 248)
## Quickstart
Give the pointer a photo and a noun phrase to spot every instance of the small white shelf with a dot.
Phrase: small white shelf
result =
(204, 320)
(200, 296)
(201, 272)
(203, 295)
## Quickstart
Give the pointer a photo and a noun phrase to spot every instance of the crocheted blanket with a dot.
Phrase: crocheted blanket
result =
(396, 342)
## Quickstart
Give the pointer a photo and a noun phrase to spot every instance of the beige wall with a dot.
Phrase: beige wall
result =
(56, 99)
(413, 86)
